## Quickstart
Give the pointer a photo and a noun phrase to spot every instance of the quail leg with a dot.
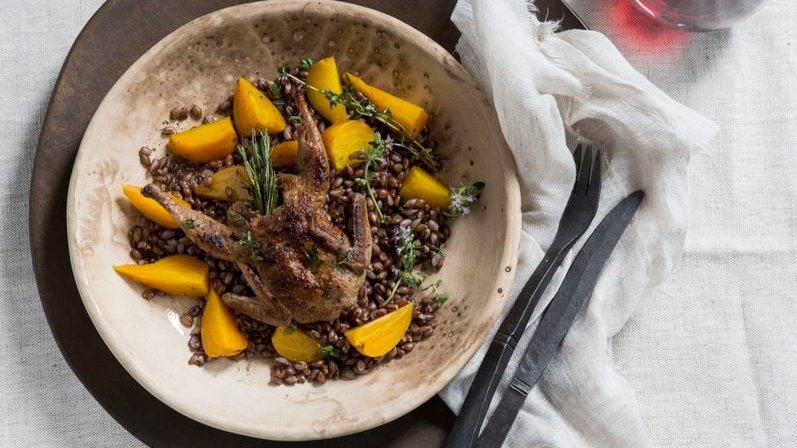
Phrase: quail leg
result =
(210, 235)
(264, 307)
(360, 235)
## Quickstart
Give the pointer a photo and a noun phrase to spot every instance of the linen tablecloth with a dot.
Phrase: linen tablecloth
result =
(712, 355)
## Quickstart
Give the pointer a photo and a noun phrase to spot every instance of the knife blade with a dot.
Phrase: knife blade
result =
(559, 316)
(559, 10)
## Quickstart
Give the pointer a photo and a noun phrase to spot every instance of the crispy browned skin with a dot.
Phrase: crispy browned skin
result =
(307, 269)
(310, 264)
(210, 235)
(263, 306)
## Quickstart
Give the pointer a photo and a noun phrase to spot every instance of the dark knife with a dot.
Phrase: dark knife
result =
(559, 316)
(559, 10)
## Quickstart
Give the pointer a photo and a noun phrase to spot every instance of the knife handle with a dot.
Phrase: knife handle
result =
(559, 316)
(471, 415)
(477, 402)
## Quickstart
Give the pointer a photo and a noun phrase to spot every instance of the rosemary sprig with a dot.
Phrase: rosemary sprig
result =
(375, 152)
(366, 109)
(262, 178)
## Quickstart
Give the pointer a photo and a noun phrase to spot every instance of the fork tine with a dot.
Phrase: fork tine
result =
(583, 165)
(594, 184)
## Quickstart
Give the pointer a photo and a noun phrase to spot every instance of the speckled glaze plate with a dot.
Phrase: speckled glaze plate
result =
(198, 63)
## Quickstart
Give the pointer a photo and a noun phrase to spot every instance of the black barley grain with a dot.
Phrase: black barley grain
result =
(179, 113)
(195, 112)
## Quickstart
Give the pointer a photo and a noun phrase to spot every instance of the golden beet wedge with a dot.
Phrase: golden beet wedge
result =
(296, 345)
(178, 275)
(411, 116)
(284, 154)
(324, 75)
(212, 141)
(220, 333)
(344, 139)
(378, 337)
(150, 208)
(252, 111)
(421, 185)
(233, 177)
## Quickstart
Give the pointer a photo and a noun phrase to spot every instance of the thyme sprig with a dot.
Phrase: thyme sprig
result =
(274, 91)
(371, 156)
(330, 351)
(439, 297)
(305, 64)
(262, 178)
(408, 249)
(359, 107)
(462, 196)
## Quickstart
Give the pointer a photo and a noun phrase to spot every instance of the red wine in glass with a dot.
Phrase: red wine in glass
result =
(699, 15)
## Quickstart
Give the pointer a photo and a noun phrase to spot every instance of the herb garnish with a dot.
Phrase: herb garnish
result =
(305, 64)
(346, 258)
(330, 351)
(360, 107)
(189, 223)
(254, 247)
(275, 91)
(262, 178)
(462, 197)
(376, 151)
(409, 249)
(439, 297)
(312, 257)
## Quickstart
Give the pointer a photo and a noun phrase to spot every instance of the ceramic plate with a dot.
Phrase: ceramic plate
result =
(198, 63)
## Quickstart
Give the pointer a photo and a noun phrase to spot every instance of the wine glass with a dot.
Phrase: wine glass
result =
(699, 15)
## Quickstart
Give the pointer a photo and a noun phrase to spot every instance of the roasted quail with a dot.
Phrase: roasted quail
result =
(300, 266)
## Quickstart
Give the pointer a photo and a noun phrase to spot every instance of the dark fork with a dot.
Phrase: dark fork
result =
(577, 216)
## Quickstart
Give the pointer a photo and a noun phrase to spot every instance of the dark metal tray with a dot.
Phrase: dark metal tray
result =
(120, 32)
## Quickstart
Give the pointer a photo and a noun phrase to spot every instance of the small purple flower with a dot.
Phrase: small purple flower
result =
(462, 197)
(389, 143)
(401, 235)
(456, 202)
(403, 232)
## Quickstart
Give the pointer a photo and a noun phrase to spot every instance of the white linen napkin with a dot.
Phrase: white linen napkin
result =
(548, 89)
